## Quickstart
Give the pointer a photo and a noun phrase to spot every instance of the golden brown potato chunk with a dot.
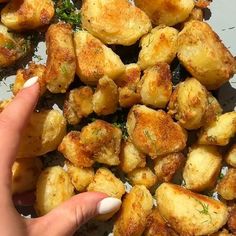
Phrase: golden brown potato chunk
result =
(80, 177)
(232, 221)
(160, 45)
(27, 14)
(78, 104)
(202, 168)
(166, 12)
(223, 232)
(12, 47)
(130, 157)
(73, 150)
(166, 166)
(105, 98)
(114, 21)
(43, 134)
(53, 188)
(231, 156)
(23, 75)
(220, 131)
(189, 213)
(227, 186)
(94, 59)
(103, 140)
(204, 55)
(196, 14)
(25, 173)
(135, 209)
(156, 86)
(188, 104)
(61, 61)
(154, 132)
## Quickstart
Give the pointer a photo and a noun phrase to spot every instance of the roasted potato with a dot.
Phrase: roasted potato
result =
(189, 213)
(232, 221)
(53, 188)
(43, 134)
(25, 173)
(160, 45)
(105, 98)
(61, 61)
(135, 209)
(23, 75)
(166, 12)
(227, 186)
(166, 166)
(154, 132)
(156, 86)
(196, 14)
(74, 151)
(223, 232)
(80, 177)
(78, 104)
(94, 59)
(130, 157)
(220, 131)
(114, 21)
(102, 139)
(27, 14)
(188, 104)
(230, 157)
(202, 168)
(12, 47)
(204, 55)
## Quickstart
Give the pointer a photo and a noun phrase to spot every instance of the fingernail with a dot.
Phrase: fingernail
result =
(108, 205)
(31, 82)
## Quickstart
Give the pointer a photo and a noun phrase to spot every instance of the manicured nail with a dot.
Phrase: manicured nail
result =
(108, 205)
(31, 82)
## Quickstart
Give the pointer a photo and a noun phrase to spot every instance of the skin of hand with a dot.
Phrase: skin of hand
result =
(70, 215)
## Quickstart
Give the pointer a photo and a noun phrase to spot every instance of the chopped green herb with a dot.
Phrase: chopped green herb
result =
(221, 176)
(152, 139)
(38, 57)
(64, 70)
(123, 128)
(205, 209)
(10, 45)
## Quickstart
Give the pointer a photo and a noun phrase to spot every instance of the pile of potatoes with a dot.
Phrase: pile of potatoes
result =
(161, 120)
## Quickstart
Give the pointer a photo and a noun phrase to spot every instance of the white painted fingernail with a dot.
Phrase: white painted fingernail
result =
(31, 82)
(108, 205)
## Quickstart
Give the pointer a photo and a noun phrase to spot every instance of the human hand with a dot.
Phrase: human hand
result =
(70, 215)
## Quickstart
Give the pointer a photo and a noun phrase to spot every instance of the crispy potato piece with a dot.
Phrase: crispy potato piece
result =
(53, 188)
(135, 209)
(223, 232)
(189, 213)
(204, 55)
(12, 47)
(43, 134)
(156, 85)
(94, 59)
(232, 221)
(231, 156)
(23, 75)
(202, 168)
(196, 14)
(142, 176)
(105, 98)
(220, 131)
(160, 45)
(166, 166)
(166, 12)
(154, 132)
(78, 104)
(27, 14)
(73, 150)
(114, 21)
(227, 186)
(80, 177)
(25, 173)
(61, 61)
(103, 140)
(130, 157)
(202, 3)
(188, 104)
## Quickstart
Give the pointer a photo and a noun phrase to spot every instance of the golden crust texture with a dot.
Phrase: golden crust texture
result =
(135, 209)
(189, 213)
(204, 55)
(27, 14)
(230, 157)
(154, 132)
(61, 61)
(94, 59)
(114, 21)
(232, 220)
